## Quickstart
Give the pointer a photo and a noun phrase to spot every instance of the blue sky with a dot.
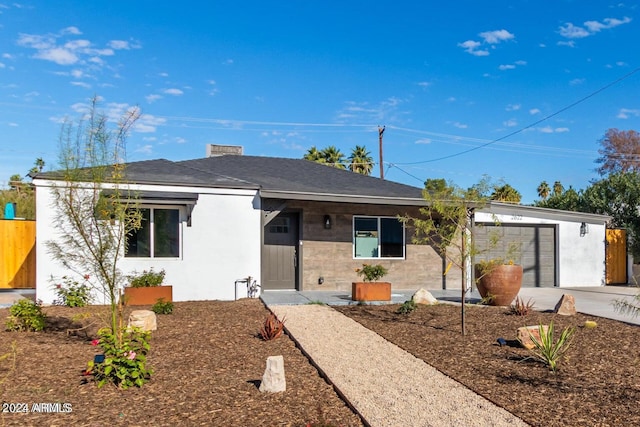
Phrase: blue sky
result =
(463, 88)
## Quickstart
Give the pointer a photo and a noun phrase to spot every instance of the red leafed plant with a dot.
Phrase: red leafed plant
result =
(272, 328)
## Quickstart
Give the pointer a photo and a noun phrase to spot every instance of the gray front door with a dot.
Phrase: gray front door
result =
(280, 252)
(537, 252)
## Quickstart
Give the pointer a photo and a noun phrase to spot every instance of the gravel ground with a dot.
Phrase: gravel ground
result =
(386, 385)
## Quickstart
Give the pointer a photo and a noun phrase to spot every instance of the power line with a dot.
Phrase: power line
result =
(562, 110)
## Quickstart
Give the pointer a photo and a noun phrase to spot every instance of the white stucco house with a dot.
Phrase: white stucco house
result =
(295, 224)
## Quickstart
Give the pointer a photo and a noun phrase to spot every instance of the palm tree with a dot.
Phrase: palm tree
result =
(360, 160)
(544, 190)
(506, 193)
(333, 157)
(314, 155)
(558, 189)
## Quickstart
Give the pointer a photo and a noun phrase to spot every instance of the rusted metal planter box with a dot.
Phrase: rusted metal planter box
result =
(147, 295)
(371, 291)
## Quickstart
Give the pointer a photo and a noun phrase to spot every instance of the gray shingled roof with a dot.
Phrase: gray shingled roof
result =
(303, 177)
(274, 177)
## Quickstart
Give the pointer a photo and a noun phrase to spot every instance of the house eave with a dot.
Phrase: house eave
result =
(342, 198)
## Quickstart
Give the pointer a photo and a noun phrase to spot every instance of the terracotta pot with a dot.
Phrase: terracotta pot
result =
(500, 285)
(371, 291)
(147, 295)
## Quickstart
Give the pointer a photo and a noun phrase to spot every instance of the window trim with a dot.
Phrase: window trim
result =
(152, 236)
(379, 223)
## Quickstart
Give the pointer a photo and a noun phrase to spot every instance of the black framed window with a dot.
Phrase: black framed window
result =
(378, 237)
(159, 235)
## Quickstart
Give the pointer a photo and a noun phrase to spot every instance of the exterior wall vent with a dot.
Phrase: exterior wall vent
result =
(214, 150)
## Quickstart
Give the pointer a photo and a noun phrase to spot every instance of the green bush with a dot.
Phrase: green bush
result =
(72, 293)
(146, 279)
(26, 315)
(162, 307)
(407, 307)
(125, 363)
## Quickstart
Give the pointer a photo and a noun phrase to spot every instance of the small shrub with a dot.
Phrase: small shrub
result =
(546, 350)
(72, 293)
(371, 273)
(146, 279)
(162, 307)
(124, 363)
(272, 328)
(26, 315)
(520, 308)
(407, 307)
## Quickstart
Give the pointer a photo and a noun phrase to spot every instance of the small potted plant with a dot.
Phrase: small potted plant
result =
(498, 280)
(369, 289)
(147, 288)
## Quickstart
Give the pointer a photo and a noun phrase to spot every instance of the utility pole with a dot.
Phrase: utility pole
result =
(380, 132)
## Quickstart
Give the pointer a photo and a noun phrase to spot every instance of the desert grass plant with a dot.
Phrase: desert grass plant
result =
(548, 351)
(407, 307)
(521, 308)
(162, 307)
(626, 307)
(26, 315)
(272, 327)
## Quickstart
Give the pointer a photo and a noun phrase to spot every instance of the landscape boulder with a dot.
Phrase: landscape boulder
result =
(273, 380)
(423, 296)
(143, 319)
(566, 306)
(524, 335)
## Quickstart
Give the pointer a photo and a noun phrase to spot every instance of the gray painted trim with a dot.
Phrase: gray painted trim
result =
(343, 198)
(545, 213)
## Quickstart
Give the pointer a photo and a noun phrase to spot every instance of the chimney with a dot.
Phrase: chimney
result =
(214, 150)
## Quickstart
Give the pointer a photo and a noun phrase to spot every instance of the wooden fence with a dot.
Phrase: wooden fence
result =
(17, 254)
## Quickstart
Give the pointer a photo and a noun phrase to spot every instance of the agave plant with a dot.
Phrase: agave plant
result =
(546, 350)
(272, 327)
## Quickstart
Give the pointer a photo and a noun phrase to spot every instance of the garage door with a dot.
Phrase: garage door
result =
(537, 253)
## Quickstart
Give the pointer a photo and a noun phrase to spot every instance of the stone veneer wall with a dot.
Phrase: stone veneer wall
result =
(329, 253)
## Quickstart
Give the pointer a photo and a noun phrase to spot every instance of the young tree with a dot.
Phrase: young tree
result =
(445, 225)
(619, 152)
(93, 226)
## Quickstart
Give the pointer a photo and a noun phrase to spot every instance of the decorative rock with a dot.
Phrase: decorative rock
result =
(143, 319)
(273, 380)
(524, 335)
(566, 306)
(423, 296)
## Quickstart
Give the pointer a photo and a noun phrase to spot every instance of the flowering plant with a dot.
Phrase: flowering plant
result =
(371, 273)
(125, 363)
(73, 293)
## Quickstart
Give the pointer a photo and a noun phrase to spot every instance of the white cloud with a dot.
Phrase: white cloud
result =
(549, 129)
(471, 46)
(507, 67)
(510, 123)
(546, 129)
(77, 44)
(180, 140)
(71, 30)
(423, 141)
(561, 130)
(494, 37)
(228, 62)
(576, 82)
(81, 84)
(148, 123)
(534, 111)
(424, 84)
(145, 149)
(569, 43)
(163, 74)
(521, 62)
(13, 124)
(2, 65)
(513, 107)
(570, 31)
(488, 37)
(624, 113)
(123, 45)
(460, 125)
(152, 98)
(58, 55)
(173, 91)
(590, 28)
